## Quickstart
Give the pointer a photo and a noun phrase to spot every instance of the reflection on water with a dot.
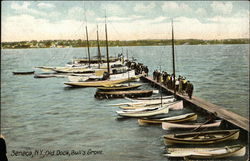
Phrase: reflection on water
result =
(45, 114)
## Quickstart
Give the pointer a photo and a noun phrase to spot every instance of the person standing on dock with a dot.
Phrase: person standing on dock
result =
(180, 86)
(3, 150)
(154, 74)
(189, 89)
(146, 70)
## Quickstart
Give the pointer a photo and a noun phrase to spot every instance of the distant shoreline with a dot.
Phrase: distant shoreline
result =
(93, 43)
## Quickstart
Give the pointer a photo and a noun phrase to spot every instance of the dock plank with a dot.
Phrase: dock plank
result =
(221, 112)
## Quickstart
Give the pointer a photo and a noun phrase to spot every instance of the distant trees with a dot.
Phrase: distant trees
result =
(93, 43)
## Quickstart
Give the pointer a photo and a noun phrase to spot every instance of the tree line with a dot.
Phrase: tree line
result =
(93, 43)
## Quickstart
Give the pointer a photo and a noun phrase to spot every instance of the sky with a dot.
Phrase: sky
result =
(126, 20)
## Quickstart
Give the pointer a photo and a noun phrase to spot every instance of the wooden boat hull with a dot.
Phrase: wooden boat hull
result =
(23, 73)
(121, 94)
(174, 119)
(151, 98)
(97, 76)
(169, 126)
(73, 70)
(204, 153)
(45, 68)
(206, 137)
(143, 113)
(78, 78)
(119, 87)
(177, 105)
(49, 76)
(99, 83)
(144, 103)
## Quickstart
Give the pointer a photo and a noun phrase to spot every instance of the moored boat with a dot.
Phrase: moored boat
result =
(85, 60)
(179, 118)
(176, 105)
(73, 70)
(99, 77)
(143, 113)
(144, 103)
(151, 98)
(204, 137)
(203, 153)
(168, 125)
(45, 68)
(100, 83)
(23, 73)
(121, 94)
(119, 87)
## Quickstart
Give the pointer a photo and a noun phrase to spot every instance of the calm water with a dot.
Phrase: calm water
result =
(42, 114)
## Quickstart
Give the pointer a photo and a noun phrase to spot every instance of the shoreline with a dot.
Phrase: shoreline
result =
(122, 46)
(82, 43)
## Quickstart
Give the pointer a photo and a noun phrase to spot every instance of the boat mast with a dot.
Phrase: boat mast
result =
(99, 51)
(173, 57)
(161, 88)
(107, 49)
(88, 44)
(128, 70)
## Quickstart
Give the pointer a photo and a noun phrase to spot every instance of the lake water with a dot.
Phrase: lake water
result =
(43, 114)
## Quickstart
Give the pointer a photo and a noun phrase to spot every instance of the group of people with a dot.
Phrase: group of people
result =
(181, 84)
(138, 67)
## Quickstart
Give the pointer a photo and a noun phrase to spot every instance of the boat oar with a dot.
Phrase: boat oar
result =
(212, 116)
(201, 125)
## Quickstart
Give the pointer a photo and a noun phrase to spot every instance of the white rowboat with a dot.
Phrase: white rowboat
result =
(144, 113)
(222, 152)
(168, 125)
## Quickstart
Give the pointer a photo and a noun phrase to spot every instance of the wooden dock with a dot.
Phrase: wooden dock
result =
(221, 112)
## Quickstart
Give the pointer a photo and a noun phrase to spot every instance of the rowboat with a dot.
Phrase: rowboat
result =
(203, 153)
(94, 76)
(144, 103)
(168, 125)
(150, 98)
(176, 105)
(206, 137)
(180, 118)
(23, 73)
(73, 70)
(121, 94)
(45, 68)
(119, 87)
(100, 83)
(143, 113)
(78, 78)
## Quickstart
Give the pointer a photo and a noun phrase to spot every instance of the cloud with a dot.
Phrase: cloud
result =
(112, 9)
(116, 18)
(201, 12)
(140, 7)
(222, 7)
(27, 27)
(218, 28)
(174, 6)
(55, 14)
(17, 6)
(79, 13)
(24, 8)
(45, 5)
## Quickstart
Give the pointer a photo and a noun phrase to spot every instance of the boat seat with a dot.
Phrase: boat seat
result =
(228, 149)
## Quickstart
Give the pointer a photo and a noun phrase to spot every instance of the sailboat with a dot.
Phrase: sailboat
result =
(105, 81)
(86, 65)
